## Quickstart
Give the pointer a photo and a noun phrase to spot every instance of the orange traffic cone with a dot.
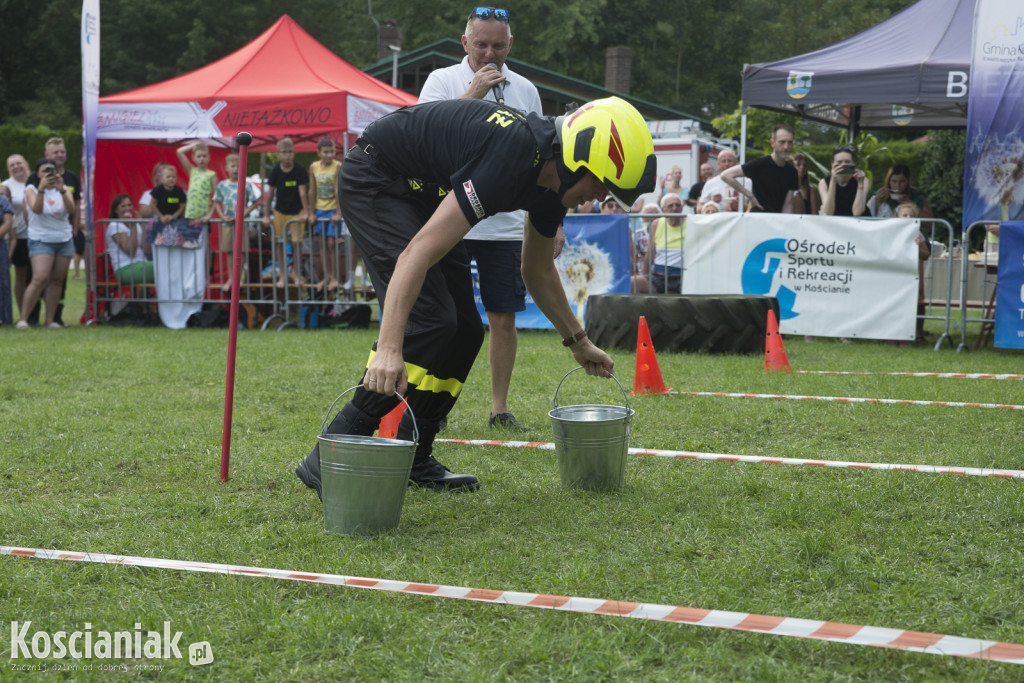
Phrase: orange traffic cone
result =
(389, 423)
(774, 350)
(648, 375)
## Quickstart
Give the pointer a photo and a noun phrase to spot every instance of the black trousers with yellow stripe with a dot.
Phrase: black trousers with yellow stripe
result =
(384, 211)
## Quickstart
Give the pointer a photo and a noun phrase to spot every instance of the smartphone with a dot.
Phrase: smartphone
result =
(49, 171)
(849, 168)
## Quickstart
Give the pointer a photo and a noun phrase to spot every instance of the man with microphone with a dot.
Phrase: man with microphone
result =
(495, 243)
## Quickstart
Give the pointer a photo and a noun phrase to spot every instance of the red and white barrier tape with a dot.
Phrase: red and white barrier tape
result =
(941, 375)
(729, 457)
(846, 399)
(872, 636)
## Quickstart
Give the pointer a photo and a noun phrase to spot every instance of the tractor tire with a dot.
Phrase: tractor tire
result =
(726, 323)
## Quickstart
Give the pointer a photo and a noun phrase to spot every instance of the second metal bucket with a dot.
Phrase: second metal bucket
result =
(591, 442)
(364, 479)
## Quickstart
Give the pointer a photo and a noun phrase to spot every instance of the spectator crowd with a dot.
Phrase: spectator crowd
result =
(297, 210)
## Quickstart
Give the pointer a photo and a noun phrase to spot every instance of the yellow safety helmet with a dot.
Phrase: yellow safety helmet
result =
(609, 138)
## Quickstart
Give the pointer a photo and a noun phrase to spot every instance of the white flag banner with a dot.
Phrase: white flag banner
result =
(833, 276)
(90, 98)
(363, 112)
(158, 120)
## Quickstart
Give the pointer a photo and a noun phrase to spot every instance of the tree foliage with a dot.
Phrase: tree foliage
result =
(942, 174)
(688, 54)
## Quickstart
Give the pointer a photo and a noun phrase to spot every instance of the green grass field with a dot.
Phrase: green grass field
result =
(110, 443)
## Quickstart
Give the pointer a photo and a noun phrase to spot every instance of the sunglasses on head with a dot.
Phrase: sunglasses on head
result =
(842, 148)
(488, 12)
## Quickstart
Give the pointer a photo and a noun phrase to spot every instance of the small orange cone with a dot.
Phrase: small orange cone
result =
(389, 423)
(648, 375)
(774, 350)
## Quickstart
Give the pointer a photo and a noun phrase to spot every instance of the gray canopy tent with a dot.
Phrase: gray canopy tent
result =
(911, 70)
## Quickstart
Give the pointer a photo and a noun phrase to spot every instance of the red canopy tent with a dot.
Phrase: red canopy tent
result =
(282, 84)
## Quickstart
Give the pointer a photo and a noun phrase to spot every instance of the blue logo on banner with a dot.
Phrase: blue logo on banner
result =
(759, 272)
(1009, 332)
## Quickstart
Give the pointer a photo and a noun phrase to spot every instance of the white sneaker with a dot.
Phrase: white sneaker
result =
(55, 326)
(22, 325)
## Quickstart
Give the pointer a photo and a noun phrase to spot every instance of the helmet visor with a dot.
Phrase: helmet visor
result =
(627, 196)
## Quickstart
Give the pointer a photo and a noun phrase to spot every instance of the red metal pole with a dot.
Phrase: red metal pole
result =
(236, 277)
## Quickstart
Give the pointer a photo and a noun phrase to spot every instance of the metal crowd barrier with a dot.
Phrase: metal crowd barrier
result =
(634, 219)
(266, 305)
(985, 269)
(932, 287)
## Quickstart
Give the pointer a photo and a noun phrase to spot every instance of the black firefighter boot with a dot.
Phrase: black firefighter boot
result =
(350, 420)
(426, 470)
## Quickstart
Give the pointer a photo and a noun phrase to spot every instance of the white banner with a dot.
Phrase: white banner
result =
(363, 112)
(90, 98)
(158, 120)
(833, 276)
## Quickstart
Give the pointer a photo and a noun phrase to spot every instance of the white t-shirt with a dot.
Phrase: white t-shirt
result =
(119, 259)
(52, 224)
(450, 83)
(147, 198)
(17, 199)
(718, 186)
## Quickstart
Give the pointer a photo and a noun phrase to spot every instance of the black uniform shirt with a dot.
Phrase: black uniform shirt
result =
(490, 154)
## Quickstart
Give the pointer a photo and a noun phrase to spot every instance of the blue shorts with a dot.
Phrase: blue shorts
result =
(498, 265)
(324, 225)
(40, 248)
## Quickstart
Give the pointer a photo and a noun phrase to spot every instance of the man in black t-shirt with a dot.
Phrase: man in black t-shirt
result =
(773, 177)
(413, 185)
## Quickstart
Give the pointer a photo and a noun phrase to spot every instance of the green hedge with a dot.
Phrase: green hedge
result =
(31, 142)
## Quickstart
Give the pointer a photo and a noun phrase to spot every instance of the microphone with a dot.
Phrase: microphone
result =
(498, 88)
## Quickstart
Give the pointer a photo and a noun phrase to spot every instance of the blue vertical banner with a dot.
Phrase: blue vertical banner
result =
(90, 99)
(1009, 333)
(994, 163)
(594, 260)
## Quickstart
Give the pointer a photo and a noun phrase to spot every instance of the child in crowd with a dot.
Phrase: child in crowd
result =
(145, 210)
(168, 228)
(287, 201)
(167, 199)
(225, 201)
(201, 181)
(924, 252)
(910, 210)
(323, 195)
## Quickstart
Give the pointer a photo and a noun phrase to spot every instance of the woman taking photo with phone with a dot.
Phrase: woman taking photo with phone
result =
(50, 244)
(845, 191)
(896, 190)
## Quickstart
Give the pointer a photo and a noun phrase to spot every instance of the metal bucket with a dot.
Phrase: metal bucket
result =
(591, 442)
(364, 479)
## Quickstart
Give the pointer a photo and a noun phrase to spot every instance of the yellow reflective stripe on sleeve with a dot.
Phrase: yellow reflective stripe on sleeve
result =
(425, 381)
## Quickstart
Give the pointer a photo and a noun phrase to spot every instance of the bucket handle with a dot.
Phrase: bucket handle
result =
(580, 367)
(415, 429)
